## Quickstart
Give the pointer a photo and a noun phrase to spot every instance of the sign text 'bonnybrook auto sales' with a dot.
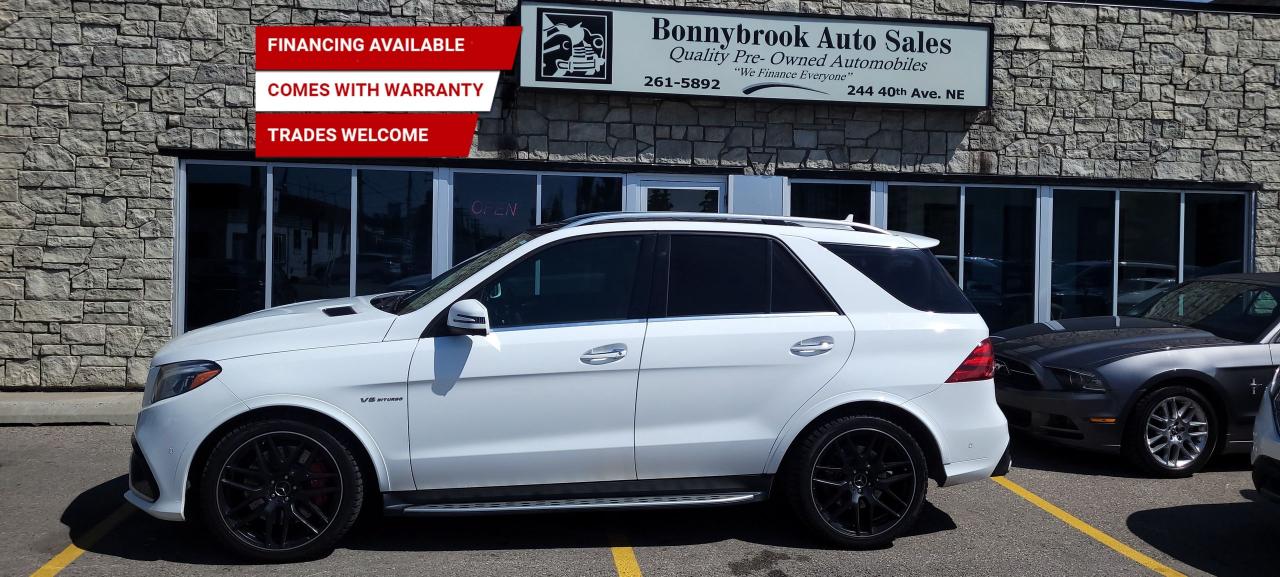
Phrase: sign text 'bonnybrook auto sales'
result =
(734, 54)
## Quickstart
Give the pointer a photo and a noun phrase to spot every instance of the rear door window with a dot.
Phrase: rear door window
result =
(913, 276)
(712, 274)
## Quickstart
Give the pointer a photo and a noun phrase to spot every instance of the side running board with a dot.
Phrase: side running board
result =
(573, 504)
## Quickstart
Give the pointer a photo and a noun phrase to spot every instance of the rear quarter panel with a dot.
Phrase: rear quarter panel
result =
(899, 353)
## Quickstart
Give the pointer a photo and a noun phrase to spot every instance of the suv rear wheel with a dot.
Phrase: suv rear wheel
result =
(858, 481)
(1172, 432)
(280, 490)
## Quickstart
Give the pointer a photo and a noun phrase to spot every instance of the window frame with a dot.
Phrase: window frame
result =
(662, 279)
(632, 181)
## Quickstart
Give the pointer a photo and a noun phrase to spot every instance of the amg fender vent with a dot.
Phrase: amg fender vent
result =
(340, 311)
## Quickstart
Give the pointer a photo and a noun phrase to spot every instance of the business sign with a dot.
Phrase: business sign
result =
(654, 50)
(379, 78)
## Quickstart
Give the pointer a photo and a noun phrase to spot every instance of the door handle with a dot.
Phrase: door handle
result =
(604, 354)
(813, 347)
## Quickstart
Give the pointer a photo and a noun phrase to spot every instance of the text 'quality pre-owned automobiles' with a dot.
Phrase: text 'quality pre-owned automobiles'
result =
(1168, 386)
(609, 361)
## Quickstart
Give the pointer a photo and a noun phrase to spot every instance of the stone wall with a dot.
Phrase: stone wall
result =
(90, 90)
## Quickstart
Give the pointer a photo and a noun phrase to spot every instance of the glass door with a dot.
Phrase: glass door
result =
(664, 195)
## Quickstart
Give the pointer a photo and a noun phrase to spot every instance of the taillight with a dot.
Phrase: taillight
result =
(978, 366)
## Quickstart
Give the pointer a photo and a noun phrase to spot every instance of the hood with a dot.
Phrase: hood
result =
(1093, 341)
(305, 325)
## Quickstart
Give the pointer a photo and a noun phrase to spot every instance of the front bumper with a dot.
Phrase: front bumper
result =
(165, 441)
(1063, 417)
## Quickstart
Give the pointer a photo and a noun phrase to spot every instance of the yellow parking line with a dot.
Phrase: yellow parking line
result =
(624, 557)
(1088, 529)
(73, 552)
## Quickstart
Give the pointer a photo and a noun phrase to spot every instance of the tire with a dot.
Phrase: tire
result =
(292, 507)
(1179, 448)
(857, 481)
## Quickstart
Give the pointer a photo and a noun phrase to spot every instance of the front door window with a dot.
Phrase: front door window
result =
(588, 280)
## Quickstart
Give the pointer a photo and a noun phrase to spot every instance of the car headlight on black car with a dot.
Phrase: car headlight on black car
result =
(174, 379)
(1080, 380)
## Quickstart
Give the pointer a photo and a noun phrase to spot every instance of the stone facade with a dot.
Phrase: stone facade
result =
(90, 91)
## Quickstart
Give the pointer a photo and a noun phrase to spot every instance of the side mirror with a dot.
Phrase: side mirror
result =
(468, 317)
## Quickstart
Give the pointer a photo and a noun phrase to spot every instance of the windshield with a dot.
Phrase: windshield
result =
(1232, 310)
(463, 270)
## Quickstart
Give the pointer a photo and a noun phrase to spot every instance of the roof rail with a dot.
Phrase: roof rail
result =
(607, 217)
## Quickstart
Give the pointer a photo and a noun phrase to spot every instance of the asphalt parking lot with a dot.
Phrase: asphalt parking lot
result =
(61, 506)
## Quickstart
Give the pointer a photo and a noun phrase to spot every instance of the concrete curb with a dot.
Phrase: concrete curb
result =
(112, 408)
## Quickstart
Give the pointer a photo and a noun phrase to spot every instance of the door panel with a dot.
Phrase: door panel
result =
(522, 406)
(715, 391)
(549, 395)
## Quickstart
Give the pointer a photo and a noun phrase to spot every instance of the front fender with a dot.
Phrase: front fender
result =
(183, 472)
(1163, 377)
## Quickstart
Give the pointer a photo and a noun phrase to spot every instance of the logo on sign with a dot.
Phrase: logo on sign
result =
(576, 46)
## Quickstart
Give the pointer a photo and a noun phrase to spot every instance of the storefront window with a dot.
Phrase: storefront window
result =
(395, 227)
(564, 196)
(932, 211)
(1214, 234)
(490, 207)
(1000, 253)
(683, 199)
(225, 255)
(313, 206)
(832, 200)
(1083, 244)
(1148, 261)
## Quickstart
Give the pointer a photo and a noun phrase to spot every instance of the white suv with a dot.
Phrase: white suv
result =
(617, 360)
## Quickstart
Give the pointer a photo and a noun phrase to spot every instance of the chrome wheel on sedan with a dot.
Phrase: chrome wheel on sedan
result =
(1177, 431)
(1172, 432)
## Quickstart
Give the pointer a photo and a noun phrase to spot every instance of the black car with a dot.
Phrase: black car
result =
(1168, 387)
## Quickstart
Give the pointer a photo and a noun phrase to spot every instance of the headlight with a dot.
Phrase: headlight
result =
(174, 379)
(1081, 380)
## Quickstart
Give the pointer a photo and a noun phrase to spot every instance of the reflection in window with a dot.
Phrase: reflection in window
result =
(1083, 234)
(225, 255)
(832, 200)
(489, 208)
(1148, 260)
(1231, 310)
(313, 205)
(565, 196)
(1214, 234)
(587, 280)
(395, 230)
(933, 211)
(999, 254)
(684, 199)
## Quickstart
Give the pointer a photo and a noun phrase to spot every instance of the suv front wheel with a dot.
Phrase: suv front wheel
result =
(280, 490)
(858, 481)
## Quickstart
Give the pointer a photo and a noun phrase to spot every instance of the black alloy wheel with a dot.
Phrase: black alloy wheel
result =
(281, 490)
(863, 481)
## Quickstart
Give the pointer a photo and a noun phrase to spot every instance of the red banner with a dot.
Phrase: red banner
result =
(364, 135)
(386, 47)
